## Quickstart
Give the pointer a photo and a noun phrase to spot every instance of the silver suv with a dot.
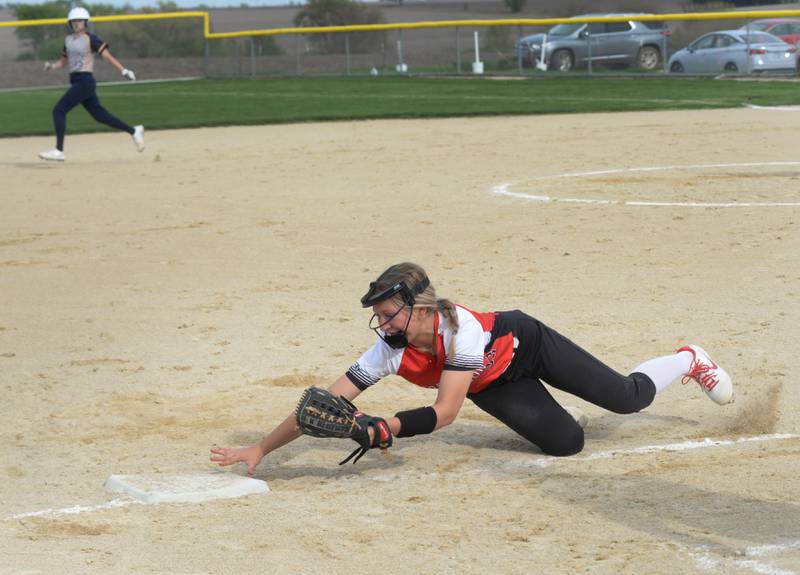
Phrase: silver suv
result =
(567, 46)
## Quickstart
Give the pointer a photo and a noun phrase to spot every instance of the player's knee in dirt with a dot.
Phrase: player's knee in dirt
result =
(564, 445)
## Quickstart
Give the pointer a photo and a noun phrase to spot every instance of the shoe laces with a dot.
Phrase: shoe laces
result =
(703, 373)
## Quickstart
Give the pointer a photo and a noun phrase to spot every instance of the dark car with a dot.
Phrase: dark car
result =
(567, 46)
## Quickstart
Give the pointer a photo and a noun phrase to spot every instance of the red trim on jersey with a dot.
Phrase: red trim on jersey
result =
(422, 368)
(425, 370)
(495, 361)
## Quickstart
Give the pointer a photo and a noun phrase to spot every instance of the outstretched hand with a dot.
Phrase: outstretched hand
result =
(250, 456)
(48, 66)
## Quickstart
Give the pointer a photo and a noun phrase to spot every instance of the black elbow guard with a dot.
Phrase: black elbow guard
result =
(416, 421)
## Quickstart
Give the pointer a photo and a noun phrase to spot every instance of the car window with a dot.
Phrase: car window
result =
(721, 41)
(795, 28)
(654, 25)
(705, 42)
(597, 27)
(618, 26)
(564, 29)
(780, 29)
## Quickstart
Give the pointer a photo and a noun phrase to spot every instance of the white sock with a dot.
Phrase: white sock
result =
(666, 369)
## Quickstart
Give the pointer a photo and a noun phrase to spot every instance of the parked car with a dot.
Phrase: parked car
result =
(787, 29)
(567, 46)
(734, 51)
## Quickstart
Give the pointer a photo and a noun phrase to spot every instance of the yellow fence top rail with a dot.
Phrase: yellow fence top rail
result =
(751, 14)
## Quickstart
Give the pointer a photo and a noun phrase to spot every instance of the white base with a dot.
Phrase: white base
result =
(158, 488)
(402, 68)
(477, 67)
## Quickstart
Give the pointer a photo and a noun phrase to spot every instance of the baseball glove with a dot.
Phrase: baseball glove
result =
(322, 414)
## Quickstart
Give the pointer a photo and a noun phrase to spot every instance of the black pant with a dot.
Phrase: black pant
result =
(82, 91)
(519, 399)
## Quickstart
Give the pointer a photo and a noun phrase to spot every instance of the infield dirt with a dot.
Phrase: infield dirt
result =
(157, 304)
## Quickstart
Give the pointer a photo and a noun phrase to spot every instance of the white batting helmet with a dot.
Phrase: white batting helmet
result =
(78, 13)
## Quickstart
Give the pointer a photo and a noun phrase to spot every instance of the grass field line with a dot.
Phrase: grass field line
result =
(100, 84)
(350, 96)
(774, 108)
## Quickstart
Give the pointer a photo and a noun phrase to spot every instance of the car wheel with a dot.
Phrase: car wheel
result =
(676, 67)
(649, 58)
(562, 61)
(731, 67)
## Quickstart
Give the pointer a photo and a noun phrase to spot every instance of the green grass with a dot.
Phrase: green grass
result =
(240, 102)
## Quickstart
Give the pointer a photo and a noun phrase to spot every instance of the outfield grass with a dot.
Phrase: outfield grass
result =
(234, 102)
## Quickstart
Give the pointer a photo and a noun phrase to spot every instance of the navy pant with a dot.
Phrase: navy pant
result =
(82, 91)
(520, 400)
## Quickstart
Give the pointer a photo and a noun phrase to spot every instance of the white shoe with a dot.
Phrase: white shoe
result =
(138, 137)
(54, 155)
(578, 415)
(713, 380)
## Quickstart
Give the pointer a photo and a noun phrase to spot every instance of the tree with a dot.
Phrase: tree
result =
(340, 13)
(41, 42)
(140, 39)
(515, 5)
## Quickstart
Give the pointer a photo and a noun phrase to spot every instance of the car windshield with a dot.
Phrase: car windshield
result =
(564, 29)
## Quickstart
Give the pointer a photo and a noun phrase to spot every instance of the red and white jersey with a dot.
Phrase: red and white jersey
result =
(474, 347)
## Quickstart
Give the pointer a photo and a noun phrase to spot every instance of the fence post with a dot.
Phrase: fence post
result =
(205, 58)
(747, 32)
(664, 55)
(401, 66)
(238, 59)
(298, 71)
(458, 51)
(347, 52)
(588, 50)
(519, 52)
(252, 58)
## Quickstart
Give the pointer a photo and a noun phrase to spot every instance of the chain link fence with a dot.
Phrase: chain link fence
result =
(177, 49)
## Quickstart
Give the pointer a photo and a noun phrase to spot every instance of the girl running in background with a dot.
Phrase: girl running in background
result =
(79, 48)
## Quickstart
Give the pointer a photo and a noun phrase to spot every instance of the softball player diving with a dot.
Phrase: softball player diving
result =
(79, 50)
(498, 360)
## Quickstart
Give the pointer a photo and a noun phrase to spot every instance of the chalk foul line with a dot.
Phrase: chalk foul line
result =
(539, 462)
(646, 449)
(502, 190)
(750, 558)
(668, 168)
(75, 509)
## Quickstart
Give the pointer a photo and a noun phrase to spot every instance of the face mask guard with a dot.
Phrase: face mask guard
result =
(407, 294)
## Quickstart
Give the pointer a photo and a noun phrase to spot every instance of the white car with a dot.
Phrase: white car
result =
(734, 51)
